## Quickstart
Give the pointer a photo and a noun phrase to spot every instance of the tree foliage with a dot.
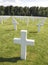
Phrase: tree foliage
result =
(24, 11)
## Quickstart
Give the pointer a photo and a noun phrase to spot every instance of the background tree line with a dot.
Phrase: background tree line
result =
(24, 11)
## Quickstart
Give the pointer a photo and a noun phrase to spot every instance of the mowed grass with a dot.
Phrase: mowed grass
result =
(10, 52)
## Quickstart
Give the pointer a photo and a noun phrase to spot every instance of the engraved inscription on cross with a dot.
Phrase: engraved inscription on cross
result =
(23, 41)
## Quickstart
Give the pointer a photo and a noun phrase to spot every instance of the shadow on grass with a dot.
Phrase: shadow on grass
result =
(13, 59)
(33, 32)
(10, 30)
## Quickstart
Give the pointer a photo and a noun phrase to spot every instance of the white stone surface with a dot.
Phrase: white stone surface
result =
(39, 25)
(43, 21)
(14, 23)
(26, 19)
(23, 41)
(27, 22)
(1, 20)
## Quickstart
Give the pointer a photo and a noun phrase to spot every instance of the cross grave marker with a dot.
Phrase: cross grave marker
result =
(39, 25)
(23, 41)
(1, 22)
(15, 23)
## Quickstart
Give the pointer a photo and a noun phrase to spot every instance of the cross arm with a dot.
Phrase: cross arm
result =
(30, 42)
(39, 24)
(17, 40)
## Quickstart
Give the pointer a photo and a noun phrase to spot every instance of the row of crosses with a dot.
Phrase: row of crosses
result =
(23, 41)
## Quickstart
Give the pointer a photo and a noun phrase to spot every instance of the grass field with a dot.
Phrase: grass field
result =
(10, 52)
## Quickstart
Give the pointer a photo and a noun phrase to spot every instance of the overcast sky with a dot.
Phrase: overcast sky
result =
(29, 3)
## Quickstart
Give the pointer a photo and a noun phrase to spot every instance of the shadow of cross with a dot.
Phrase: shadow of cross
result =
(11, 59)
(23, 41)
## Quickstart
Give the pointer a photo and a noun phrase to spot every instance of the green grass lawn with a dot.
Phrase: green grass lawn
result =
(10, 52)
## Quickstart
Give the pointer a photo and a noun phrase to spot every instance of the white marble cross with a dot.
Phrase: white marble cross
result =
(27, 21)
(14, 23)
(43, 21)
(23, 41)
(1, 22)
(33, 19)
(39, 25)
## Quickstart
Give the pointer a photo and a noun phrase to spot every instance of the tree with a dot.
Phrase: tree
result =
(6, 11)
(11, 10)
(26, 11)
(1, 10)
